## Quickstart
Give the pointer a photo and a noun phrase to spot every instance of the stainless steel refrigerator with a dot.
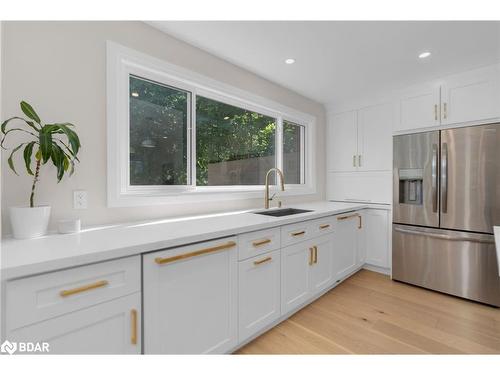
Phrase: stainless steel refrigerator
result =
(446, 200)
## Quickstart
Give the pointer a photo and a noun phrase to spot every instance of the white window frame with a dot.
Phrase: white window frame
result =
(121, 63)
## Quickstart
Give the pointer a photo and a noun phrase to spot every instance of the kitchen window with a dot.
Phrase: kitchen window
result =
(234, 146)
(175, 136)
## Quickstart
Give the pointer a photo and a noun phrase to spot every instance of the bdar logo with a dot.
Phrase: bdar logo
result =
(8, 347)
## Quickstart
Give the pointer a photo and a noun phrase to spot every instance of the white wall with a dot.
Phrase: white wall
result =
(59, 67)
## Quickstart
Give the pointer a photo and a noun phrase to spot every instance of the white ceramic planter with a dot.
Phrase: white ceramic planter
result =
(29, 222)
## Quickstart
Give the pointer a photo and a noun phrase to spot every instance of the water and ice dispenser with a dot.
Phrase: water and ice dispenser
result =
(411, 186)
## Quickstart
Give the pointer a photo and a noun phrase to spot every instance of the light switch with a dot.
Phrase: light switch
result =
(79, 199)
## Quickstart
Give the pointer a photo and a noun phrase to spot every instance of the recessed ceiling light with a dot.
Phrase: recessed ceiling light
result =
(135, 94)
(226, 118)
(423, 55)
(289, 61)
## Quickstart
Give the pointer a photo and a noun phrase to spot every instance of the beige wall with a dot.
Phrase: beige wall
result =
(59, 67)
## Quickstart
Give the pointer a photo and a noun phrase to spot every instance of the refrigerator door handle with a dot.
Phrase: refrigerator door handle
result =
(443, 236)
(444, 178)
(434, 177)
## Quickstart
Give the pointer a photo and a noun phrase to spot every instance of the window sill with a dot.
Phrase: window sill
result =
(200, 195)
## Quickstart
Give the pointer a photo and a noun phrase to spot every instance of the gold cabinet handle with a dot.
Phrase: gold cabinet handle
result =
(265, 260)
(227, 245)
(347, 217)
(445, 111)
(324, 226)
(435, 112)
(299, 233)
(84, 288)
(261, 242)
(133, 328)
(315, 254)
(311, 256)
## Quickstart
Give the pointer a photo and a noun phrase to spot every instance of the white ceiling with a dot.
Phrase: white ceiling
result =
(339, 61)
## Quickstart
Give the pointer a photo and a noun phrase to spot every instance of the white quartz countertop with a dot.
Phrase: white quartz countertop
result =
(21, 258)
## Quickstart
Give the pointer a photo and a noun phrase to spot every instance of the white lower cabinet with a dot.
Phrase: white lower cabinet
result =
(190, 299)
(305, 270)
(295, 279)
(321, 270)
(92, 309)
(376, 238)
(206, 297)
(108, 328)
(345, 244)
(259, 301)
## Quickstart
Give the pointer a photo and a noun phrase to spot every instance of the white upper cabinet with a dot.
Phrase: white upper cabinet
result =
(471, 96)
(342, 145)
(466, 97)
(419, 107)
(375, 138)
(361, 140)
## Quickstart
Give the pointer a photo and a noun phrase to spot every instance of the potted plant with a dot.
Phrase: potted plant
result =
(57, 143)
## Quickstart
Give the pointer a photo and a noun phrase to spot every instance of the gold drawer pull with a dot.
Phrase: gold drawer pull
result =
(133, 331)
(69, 292)
(315, 254)
(324, 226)
(347, 217)
(261, 242)
(212, 249)
(258, 262)
(299, 233)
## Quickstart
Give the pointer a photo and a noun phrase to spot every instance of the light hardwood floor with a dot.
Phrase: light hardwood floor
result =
(371, 314)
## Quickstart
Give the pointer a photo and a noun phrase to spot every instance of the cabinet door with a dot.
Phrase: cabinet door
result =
(108, 328)
(190, 299)
(471, 96)
(345, 245)
(376, 237)
(342, 142)
(259, 291)
(295, 269)
(375, 138)
(419, 107)
(321, 270)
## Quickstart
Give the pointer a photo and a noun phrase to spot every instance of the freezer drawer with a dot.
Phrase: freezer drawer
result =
(457, 263)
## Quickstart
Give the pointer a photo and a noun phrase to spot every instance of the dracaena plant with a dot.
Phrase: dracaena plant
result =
(56, 142)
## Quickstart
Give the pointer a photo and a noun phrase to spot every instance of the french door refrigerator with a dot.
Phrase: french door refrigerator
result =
(446, 200)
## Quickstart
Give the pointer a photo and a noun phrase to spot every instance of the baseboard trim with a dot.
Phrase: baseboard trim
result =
(382, 270)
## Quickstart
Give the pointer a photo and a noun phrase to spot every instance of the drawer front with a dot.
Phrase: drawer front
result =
(34, 299)
(256, 243)
(322, 226)
(295, 233)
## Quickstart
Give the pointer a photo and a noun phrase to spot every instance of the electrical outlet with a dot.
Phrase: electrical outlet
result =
(79, 199)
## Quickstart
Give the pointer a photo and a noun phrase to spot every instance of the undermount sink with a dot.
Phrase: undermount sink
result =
(282, 212)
